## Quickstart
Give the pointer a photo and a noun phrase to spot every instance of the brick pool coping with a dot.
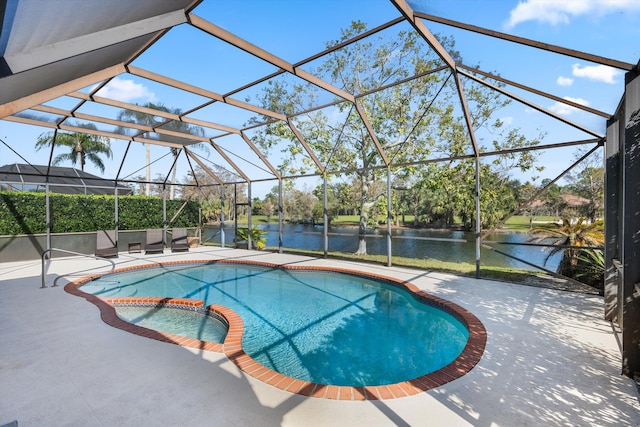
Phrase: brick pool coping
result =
(232, 345)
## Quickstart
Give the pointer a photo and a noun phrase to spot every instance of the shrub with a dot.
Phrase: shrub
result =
(590, 268)
(258, 241)
(22, 213)
(25, 213)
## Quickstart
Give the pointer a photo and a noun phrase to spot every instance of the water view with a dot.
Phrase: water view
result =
(405, 243)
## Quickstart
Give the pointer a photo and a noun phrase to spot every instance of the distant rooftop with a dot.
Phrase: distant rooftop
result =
(24, 177)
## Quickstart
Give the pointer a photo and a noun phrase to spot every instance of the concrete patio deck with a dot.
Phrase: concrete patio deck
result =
(550, 360)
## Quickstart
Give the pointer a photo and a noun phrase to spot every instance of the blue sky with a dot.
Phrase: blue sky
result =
(294, 30)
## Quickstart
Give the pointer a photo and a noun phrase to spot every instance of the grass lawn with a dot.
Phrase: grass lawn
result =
(515, 223)
(512, 275)
(465, 269)
(521, 222)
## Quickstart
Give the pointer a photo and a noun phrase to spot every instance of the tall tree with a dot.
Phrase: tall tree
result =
(587, 180)
(414, 120)
(155, 185)
(82, 147)
(554, 204)
(524, 193)
(210, 192)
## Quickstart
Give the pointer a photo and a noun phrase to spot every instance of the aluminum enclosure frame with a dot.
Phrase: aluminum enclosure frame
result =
(622, 223)
(100, 56)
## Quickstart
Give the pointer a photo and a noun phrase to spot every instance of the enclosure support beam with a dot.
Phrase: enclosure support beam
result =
(115, 211)
(280, 214)
(260, 155)
(528, 42)
(622, 222)
(306, 146)
(630, 233)
(204, 167)
(48, 214)
(612, 223)
(147, 187)
(164, 214)
(389, 248)
(235, 212)
(367, 124)
(535, 91)
(254, 50)
(478, 218)
(45, 95)
(325, 216)
(419, 26)
(249, 222)
(476, 152)
(47, 202)
(199, 229)
(222, 197)
(531, 104)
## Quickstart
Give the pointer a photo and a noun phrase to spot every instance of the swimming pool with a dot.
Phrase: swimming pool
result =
(176, 321)
(321, 327)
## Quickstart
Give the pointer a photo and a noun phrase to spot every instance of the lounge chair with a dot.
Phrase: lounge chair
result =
(106, 243)
(155, 241)
(179, 240)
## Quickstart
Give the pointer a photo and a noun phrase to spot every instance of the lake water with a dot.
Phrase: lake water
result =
(344, 239)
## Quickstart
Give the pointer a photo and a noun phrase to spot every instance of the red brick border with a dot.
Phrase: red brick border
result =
(232, 346)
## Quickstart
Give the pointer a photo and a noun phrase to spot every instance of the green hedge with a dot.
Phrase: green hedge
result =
(25, 213)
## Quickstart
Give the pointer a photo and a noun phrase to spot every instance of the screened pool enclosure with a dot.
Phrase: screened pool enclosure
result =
(384, 107)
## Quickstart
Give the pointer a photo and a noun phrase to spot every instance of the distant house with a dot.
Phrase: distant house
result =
(24, 177)
(574, 201)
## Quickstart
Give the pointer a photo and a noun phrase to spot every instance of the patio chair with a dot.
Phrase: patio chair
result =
(155, 241)
(179, 240)
(106, 243)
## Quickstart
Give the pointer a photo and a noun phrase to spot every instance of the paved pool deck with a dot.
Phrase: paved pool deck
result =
(549, 360)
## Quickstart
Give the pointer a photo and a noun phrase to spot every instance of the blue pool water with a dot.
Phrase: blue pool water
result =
(323, 327)
(185, 323)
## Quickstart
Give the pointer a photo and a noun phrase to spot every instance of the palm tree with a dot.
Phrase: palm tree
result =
(590, 269)
(83, 147)
(138, 117)
(579, 233)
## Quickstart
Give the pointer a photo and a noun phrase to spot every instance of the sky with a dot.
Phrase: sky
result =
(294, 30)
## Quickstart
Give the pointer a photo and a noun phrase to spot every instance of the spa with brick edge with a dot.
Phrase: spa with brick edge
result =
(232, 345)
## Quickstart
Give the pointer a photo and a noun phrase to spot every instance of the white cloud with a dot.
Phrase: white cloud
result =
(126, 90)
(556, 12)
(507, 121)
(600, 73)
(564, 109)
(564, 81)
